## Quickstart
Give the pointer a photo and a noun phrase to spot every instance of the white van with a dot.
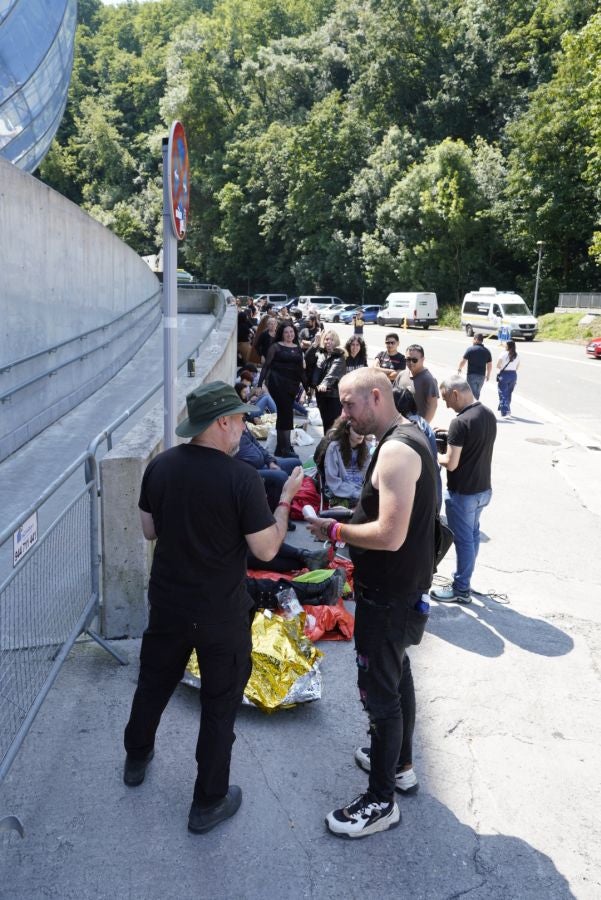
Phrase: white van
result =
(317, 301)
(417, 308)
(487, 310)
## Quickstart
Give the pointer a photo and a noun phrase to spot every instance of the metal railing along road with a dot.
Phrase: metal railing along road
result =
(580, 301)
(82, 352)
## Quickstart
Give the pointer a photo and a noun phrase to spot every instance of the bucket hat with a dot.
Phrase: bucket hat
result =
(207, 403)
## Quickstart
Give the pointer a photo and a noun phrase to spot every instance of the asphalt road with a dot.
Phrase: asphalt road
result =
(556, 381)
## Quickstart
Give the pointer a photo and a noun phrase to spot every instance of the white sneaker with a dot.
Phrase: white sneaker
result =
(450, 595)
(363, 816)
(405, 782)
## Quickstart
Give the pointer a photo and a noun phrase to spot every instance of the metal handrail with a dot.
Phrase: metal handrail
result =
(69, 362)
(107, 433)
(6, 367)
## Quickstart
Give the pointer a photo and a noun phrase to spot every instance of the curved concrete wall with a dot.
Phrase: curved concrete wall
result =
(62, 272)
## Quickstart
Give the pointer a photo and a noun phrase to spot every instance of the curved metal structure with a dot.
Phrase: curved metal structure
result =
(36, 57)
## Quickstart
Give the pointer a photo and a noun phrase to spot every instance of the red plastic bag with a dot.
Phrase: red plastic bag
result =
(307, 494)
(329, 623)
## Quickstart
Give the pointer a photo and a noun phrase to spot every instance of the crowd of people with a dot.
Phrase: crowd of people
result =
(220, 505)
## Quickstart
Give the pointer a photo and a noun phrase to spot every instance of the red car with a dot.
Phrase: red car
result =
(593, 348)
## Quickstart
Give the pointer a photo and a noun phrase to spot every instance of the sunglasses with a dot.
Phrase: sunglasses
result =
(412, 359)
(391, 343)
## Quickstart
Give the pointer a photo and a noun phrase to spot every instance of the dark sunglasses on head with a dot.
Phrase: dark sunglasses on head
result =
(412, 359)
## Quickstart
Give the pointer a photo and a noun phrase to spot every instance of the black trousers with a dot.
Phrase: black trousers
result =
(329, 409)
(386, 689)
(225, 664)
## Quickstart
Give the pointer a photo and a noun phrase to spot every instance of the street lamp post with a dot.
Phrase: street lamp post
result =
(540, 245)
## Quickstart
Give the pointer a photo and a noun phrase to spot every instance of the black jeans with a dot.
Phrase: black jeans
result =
(386, 689)
(223, 652)
(329, 409)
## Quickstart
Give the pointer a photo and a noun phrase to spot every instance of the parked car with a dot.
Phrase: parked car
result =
(184, 277)
(593, 348)
(370, 314)
(333, 313)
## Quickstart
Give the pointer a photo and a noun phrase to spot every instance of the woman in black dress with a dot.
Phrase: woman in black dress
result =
(283, 373)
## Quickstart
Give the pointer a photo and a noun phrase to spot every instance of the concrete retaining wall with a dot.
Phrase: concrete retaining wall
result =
(62, 272)
(126, 554)
(63, 275)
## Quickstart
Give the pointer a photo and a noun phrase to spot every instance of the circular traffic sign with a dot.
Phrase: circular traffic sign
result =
(179, 179)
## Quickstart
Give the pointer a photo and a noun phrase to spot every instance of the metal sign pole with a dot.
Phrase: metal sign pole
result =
(169, 310)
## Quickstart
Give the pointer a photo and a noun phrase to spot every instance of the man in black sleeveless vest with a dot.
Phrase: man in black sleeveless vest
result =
(391, 539)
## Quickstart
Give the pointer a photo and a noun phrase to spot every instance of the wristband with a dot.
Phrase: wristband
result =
(283, 503)
(334, 531)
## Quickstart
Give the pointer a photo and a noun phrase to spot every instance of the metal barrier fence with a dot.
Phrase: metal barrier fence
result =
(49, 600)
(580, 301)
(52, 597)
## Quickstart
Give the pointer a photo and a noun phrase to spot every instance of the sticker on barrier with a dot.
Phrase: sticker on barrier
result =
(24, 538)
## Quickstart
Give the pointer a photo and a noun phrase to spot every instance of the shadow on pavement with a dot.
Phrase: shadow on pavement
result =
(483, 625)
(451, 859)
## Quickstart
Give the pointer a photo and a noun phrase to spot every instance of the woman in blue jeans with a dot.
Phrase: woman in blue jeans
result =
(507, 377)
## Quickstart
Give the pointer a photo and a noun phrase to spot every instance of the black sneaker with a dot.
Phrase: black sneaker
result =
(316, 559)
(406, 782)
(203, 818)
(363, 816)
(135, 769)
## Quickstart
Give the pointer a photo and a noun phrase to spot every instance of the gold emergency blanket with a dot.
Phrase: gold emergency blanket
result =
(285, 664)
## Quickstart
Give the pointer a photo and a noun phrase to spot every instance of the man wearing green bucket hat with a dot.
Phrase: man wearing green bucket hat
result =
(205, 510)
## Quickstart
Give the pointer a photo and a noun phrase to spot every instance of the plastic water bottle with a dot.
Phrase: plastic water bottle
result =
(422, 605)
(288, 603)
(309, 512)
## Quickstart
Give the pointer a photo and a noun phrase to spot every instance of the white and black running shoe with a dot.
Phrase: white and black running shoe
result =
(363, 816)
(406, 782)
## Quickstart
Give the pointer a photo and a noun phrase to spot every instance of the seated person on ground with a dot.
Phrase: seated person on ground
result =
(259, 397)
(346, 460)
(291, 559)
(274, 470)
(264, 591)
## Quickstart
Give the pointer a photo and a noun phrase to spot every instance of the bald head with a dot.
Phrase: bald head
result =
(456, 392)
(367, 400)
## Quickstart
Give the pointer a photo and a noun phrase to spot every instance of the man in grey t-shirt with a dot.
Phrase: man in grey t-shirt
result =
(420, 382)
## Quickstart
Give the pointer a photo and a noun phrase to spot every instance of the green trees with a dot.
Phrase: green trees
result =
(351, 146)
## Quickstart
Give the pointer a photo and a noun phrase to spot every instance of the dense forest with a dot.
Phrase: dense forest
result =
(347, 146)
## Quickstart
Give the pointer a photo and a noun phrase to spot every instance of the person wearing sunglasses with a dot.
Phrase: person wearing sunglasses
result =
(390, 359)
(420, 382)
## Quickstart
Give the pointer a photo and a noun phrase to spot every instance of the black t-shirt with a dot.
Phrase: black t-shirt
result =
(474, 429)
(245, 327)
(394, 574)
(395, 361)
(477, 358)
(202, 502)
(264, 342)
